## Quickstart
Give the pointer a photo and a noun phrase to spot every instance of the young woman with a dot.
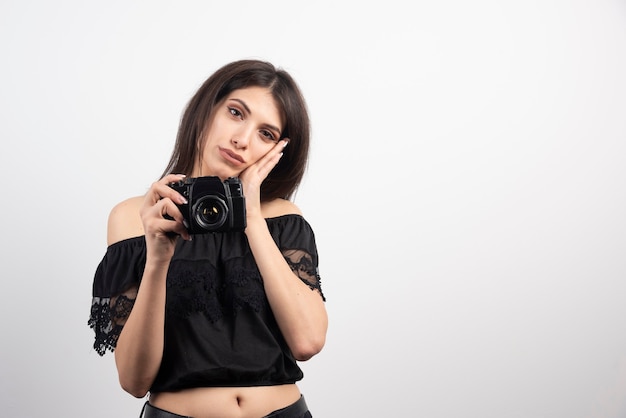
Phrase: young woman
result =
(213, 324)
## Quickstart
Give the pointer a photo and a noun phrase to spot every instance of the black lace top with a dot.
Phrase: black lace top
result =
(219, 327)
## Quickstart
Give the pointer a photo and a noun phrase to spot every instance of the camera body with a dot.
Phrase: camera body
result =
(212, 205)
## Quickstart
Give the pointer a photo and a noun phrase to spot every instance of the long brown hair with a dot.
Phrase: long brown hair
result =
(284, 179)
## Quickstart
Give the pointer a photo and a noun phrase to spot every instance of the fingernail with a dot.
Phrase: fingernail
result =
(286, 142)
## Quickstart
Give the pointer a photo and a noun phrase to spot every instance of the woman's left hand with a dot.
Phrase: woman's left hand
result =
(252, 177)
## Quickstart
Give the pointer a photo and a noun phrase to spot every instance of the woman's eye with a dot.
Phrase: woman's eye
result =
(268, 135)
(235, 112)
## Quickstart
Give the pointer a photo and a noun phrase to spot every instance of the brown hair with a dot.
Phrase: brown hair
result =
(284, 179)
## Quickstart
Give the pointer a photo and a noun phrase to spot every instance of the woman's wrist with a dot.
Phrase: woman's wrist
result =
(255, 223)
(156, 266)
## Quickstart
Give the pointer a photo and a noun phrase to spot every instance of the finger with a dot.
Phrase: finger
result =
(270, 159)
(167, 218)
(277, 149)
(177, 228)
(169, 191)
(280, 146)
(180, 224)
(162, 189)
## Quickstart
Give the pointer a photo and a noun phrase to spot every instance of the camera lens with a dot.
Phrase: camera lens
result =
(210, 212)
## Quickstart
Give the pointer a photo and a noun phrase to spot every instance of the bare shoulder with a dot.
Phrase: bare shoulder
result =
(279, 207)
(124, 220)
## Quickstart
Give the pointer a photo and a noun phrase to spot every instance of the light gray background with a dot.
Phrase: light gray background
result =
(466, 186)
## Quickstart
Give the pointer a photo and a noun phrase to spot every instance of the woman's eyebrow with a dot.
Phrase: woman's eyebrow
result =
(242, 103)
(247, 109)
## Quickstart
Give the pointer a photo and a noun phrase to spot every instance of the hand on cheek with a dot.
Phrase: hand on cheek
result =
(253, 176)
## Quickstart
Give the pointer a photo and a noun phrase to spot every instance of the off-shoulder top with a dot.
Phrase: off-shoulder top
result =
(219, 327)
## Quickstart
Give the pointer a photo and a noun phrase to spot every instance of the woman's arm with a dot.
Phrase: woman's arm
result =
(139, 348)
(299, 311)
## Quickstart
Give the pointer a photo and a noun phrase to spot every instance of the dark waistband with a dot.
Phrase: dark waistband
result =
(295, 410)
(151, 411)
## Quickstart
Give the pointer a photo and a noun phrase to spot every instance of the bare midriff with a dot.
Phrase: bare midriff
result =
(227, 402)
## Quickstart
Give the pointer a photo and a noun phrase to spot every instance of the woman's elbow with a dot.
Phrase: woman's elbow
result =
(134, 379)
(134, 385)
(138, 391)
(304, 350)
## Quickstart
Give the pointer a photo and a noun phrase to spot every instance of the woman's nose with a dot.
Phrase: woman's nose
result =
(241, 139)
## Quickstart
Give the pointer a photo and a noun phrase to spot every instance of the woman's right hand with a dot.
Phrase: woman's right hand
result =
(162, 220)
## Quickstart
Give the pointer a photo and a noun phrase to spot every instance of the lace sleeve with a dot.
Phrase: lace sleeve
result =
(108, 316)
(296, 240)
(115, 286)
(302, 265)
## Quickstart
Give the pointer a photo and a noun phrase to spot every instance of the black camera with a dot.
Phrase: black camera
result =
(212, 205)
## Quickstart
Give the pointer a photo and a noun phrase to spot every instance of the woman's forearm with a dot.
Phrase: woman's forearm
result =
(139, 349)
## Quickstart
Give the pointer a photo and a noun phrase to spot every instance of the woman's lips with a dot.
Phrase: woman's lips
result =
(231, 156)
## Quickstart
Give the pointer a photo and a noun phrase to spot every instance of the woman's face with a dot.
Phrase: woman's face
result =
(244, 127)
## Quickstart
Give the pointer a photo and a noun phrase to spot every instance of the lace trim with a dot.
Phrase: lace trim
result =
(301, 263)
(108, 316)
(201, 291)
